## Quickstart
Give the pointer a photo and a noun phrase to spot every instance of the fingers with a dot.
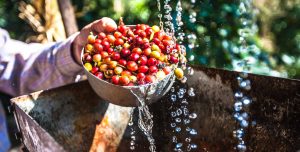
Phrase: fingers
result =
(104, 25)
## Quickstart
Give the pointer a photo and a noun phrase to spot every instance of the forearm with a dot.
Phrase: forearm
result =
(46, 67)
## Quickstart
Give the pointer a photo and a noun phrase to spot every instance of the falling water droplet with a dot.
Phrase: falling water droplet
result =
(179, 145)
(244, 123)
(193, 146)
(190, 71)
(253, 123)
(173, 125)
(193, 132)
(191, 92)
(238, 133)
(188, 129)
(132, 147)
(186, 121)
(180, 94)
(132, 143)
(173, 114)
(184, 101)
(174, 139)
(241, 147)
(132, 132)
(184, 79)
(177, 129)
(238, 106)
(193, 116)
(177, 120)
(246, 101)
(172, 89)
(173, 97)
(238, 94)
(245, 84)
(132, 137)
(188, 139)
(185, 111)
(179, 112)
(188, 148)
(245, 115)
(244, 75)
(192, 58)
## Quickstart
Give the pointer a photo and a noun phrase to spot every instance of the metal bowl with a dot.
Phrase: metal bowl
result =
(130, 96)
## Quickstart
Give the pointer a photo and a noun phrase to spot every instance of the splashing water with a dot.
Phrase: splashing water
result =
(242, 101)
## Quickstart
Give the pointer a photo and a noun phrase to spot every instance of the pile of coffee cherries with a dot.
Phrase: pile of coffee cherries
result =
(132, 55)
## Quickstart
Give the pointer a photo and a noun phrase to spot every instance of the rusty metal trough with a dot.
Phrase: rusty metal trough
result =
(73, 118)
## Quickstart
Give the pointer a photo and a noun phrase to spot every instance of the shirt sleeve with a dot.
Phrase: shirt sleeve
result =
(25, 68)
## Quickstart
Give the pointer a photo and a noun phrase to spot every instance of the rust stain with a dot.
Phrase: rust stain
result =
(105, 137)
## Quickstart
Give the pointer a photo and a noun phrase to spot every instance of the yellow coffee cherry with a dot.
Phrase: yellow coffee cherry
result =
(179, 73)
(88, 66)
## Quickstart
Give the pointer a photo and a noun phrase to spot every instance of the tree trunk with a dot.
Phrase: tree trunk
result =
(68, 16)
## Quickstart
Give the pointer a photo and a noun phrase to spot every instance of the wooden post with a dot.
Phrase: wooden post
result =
(68, 16)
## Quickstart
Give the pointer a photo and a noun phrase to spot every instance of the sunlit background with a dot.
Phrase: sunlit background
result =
(274, 34)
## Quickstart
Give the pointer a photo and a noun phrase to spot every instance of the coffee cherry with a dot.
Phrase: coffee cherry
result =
(125, 52)
(91, 39)
(99, 75)
(126, 73)
(178, 73)
(133, 78)
(103, 67)
(147, 51)
(105, 45)
(98, 47)
(117, 34)
(119, 41)
(122, 62)
(155, 54)
(101, 35)
(173, 59)
(124, 80)
(89, 47)
(87, 57)
(118, 70)
(143, 69)
(110, 50)
(149, 79)
(96, 57)
(167, 70)
(112, 64)
(107, 60)
(115, 79)
(153, 69)
(132, 66)
(140, 76)
(137, 50)
(151, 62)
(134, 57)
(155, 28)
(143, 60)
(154, 47)
(108, 74)
(98, 41)
(126, 45)
(111, 39)
(88, 66)
(116, 56)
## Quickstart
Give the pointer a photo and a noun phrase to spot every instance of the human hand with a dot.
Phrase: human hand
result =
(102, 25)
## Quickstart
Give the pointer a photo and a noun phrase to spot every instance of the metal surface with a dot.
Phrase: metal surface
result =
(78, 120)
(130, 95)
